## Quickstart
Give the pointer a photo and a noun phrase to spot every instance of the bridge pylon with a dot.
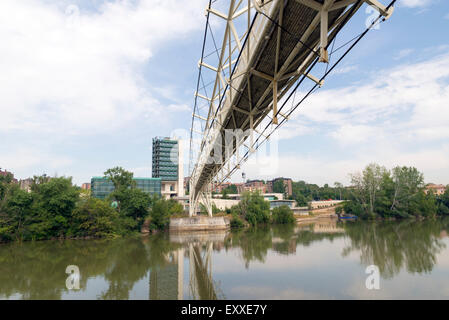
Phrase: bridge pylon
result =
(196, 199)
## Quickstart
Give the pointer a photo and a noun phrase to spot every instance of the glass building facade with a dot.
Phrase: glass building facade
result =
(102, 187)
(165, 159)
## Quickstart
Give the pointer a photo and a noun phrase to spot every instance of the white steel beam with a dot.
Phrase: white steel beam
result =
(311, 4)
(382, 9)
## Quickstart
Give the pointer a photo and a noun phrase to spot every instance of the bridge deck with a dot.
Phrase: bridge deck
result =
(298, 21)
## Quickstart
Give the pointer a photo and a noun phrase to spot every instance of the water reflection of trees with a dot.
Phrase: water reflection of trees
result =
(394, 245)
(255, 243)
(36, 270)
(391, 245)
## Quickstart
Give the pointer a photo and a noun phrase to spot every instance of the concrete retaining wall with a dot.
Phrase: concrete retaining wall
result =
(224, 204)
(199, 223)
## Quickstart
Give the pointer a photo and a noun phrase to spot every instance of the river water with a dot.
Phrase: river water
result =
(325, 259)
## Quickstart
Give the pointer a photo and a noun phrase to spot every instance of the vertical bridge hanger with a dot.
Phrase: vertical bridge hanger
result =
(330, 5)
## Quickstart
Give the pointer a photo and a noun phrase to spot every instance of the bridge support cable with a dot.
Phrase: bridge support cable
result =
(266, 136)
(197, 87)
(281, 42)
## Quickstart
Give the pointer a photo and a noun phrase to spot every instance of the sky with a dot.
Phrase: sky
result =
(86, 85)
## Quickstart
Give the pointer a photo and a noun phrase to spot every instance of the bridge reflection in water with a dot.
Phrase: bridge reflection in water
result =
(167, 282)
(410, 245)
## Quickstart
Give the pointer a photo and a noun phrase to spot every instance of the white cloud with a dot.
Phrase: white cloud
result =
(398, 116)
(68, 72)
(325, 168)
(352, 134)
(295, 129)
(21, 158)
(344, 69)
(415, 3)
(403, 53)
(411, 98)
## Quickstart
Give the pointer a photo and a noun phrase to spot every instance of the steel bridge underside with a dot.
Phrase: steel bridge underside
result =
(296, 19)
(293, 35)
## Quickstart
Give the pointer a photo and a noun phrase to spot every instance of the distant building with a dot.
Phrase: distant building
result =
(101, 187)
(5, 173)
(186, 183)
(168, 166)
(278, 203)
(252, 186)
(323, 203)
(437, 189)
(266, 196)
(220, 187)
(86, 186)
(26, 184)
(288, 185)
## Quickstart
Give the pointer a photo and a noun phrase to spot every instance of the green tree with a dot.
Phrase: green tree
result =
(236, 222)
(6, 182)
(283, 215)
(278, 186)
(44, 213)
(377, 192)
(339, 187)
(16, 217)
(224, 193)
(254, 208)
(339, 211)
(160, 215)
(175, 207)
(121, 178)
(408, 182)
(94, 217)
(443, 203)
(135, 204)
(53, 203)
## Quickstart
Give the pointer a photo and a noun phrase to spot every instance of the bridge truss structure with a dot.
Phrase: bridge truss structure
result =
(268, 49)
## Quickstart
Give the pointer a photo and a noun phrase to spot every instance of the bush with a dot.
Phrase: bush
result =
(339, 210)
(160, 215)
(354, 208)
(443, 209)
(203, 209)
(43, 213)
(255, 208)
(94, 217)
(175, 207)
(282, 215)
(236, 222)
(134, 204)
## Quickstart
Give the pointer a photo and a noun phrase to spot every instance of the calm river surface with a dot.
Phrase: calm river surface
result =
(321, 260)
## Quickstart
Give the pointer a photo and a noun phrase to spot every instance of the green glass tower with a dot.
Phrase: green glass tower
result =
(165, 159)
